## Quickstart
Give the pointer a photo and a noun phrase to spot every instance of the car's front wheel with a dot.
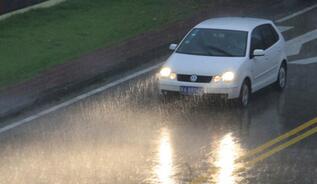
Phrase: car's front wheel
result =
(281, 78)
(245, 94)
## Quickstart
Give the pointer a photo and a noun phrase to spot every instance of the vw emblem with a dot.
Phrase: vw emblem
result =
(193, 78)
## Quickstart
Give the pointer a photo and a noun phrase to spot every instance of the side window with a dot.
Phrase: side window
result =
(257, 40)
(269, 35)
(275, 34)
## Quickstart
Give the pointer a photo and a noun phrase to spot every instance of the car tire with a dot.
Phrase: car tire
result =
(245, 94)
(281, 78)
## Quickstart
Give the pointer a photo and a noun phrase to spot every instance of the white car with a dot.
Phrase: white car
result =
(232, 57)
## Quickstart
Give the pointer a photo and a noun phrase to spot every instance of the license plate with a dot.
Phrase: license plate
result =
(188, 90)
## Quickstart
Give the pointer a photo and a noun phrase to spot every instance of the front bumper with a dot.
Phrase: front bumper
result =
(231, 91)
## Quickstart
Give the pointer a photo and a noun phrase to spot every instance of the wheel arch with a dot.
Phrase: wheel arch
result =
(284, 63)
(248, 80)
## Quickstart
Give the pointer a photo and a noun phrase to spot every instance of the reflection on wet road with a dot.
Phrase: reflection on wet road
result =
(164, 168)
(228, 152)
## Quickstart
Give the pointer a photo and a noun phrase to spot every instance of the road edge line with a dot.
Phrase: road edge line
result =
(79, 98)
(296, 14)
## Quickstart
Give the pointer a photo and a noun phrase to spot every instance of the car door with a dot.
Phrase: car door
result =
(260, 64)
(272, 51)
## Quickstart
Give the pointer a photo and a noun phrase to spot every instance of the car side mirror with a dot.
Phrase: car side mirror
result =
(173, 46)
(258, 52)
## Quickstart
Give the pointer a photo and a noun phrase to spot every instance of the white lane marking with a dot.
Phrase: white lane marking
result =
(79, 98)
(98, 90)
(45, 4)
(284, 28)
(294, 46)
(296, 14)
(305, 61)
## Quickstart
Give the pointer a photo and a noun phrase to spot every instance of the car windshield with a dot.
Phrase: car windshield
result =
(214, 42)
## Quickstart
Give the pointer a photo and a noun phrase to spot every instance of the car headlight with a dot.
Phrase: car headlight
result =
(226, 77)
(166, 72)
(173, 76)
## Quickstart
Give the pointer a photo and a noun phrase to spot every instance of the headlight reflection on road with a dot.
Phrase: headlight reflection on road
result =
(228, 151)
(164, 169)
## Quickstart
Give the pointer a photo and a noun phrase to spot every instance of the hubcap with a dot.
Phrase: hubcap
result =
(245, 95)
(282, 78)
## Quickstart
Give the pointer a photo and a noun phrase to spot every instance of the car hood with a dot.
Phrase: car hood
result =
(203, 65)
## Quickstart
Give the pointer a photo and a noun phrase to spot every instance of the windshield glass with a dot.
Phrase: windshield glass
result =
(215, 42)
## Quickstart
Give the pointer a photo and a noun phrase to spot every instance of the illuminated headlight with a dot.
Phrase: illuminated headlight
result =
(173, 76)
(226, 77)
(167, 73)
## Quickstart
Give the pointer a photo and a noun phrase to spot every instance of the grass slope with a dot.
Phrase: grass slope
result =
(39, 39)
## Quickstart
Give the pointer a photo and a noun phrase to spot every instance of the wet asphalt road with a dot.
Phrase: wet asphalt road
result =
(127, 135)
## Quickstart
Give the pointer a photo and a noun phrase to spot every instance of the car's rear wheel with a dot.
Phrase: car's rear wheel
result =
(245, 94)
(281, 78)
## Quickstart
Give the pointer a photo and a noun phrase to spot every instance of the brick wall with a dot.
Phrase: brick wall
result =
(11, 5)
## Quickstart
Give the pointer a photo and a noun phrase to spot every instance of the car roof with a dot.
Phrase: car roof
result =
(233, 23)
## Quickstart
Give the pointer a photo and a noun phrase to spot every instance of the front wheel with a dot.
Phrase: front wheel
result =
(245, 94)
(281, 78)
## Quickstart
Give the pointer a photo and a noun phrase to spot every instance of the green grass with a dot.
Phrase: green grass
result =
(39, 39)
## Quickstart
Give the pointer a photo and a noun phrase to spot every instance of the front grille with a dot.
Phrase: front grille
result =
(200, 78)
